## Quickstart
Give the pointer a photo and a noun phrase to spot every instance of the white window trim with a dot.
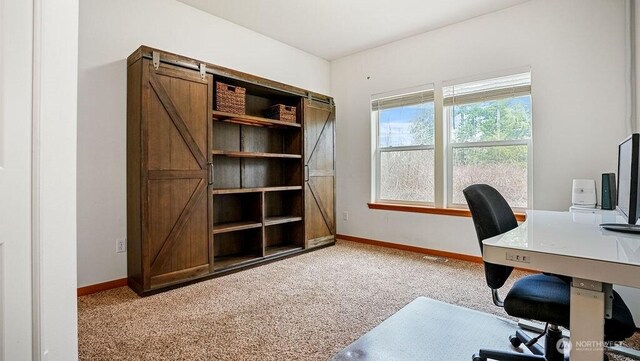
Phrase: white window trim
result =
(378, 150)
(443, 170)
(448, 194)
(377, 159)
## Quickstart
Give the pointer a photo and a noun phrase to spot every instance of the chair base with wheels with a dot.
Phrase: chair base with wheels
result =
(552, 341)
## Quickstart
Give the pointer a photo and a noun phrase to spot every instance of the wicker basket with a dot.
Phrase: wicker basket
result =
(230, 98)
(281, 112)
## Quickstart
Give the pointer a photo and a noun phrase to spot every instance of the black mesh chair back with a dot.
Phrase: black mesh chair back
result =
(491, 216)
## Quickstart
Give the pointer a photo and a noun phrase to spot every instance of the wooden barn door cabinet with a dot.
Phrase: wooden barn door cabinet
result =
(211, 192)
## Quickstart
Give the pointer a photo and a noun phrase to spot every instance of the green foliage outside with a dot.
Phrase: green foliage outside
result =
(506, 119)
(408, 175)
(423, 128)
(498, 120)
(504, 167)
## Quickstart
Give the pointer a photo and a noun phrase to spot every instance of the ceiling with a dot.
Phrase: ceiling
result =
(332, 29)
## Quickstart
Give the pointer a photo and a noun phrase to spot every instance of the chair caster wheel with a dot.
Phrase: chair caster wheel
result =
(476, 357)
(515, 341)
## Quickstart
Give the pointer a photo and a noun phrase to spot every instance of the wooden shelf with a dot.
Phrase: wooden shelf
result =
(270, 221)
(252, 190)
(280, 249)
(235, 226)
(252, 120)
(228, 153)
(253, 207)
(220, 263)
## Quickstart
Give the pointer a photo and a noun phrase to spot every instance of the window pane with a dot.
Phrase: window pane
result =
(503, 167)
(504, 119)
(407, 126)
(407, 175)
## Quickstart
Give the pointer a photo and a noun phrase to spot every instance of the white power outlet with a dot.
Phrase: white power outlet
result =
(518, 257)
(121, 245)
(345, 216)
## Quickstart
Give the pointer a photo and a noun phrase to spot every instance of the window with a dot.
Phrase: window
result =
(484, 137)
(489, 132)
(405, 147)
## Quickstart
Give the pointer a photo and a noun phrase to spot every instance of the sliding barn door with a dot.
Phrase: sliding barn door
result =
(319, 156)
(176, 220)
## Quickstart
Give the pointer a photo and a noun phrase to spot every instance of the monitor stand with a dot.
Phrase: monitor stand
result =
(621, 227)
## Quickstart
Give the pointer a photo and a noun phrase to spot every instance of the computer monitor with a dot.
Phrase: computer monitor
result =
(628, 168)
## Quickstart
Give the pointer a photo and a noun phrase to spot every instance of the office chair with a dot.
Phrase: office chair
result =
(541, 297)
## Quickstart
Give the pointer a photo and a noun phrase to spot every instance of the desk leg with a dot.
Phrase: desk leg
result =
(587, 320)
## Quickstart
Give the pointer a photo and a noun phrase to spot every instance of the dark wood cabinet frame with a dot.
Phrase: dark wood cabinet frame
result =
(209, 192)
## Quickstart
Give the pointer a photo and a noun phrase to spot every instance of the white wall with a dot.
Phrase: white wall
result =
(15, 178)
(56, 183)
(575, 49)
(576, 52)
(38, 88)
(109, 32)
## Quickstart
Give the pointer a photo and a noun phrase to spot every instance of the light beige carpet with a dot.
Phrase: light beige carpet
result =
(306, 307)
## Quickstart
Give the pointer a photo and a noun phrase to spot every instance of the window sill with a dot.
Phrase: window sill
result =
(431, 210)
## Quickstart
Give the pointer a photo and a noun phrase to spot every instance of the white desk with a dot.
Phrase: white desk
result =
(573, 244)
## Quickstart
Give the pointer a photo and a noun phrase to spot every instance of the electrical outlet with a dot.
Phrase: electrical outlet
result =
(345, 216)
(518, 257)
(121, 245)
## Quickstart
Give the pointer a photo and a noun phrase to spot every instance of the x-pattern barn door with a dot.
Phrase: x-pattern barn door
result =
(177, 157)
(319, 133)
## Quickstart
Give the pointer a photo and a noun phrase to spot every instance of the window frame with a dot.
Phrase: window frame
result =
(377, 154)
(443, 147)
(379, 151)
(450, 146)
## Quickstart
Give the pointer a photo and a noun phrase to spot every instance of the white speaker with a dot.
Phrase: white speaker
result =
(584, 193)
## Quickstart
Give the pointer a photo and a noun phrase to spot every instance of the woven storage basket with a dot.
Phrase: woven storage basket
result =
(281, 112)
(230, 98)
